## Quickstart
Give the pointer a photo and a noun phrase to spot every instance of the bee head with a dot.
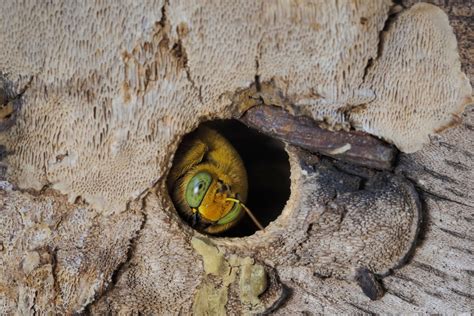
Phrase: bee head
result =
(208, 197)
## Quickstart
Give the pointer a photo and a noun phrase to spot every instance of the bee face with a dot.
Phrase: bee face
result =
(207, 196)
(208, 182)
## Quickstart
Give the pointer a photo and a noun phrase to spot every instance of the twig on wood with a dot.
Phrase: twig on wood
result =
(354, 147)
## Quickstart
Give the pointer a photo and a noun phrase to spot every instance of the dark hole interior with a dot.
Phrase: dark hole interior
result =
(268, 171)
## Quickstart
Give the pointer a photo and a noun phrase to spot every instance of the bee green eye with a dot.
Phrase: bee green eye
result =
(197, 188)
(232, 215)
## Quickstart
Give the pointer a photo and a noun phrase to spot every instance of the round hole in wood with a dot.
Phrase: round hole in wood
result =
(268, 173)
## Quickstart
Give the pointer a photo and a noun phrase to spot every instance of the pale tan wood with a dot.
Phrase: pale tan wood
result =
(103, 93)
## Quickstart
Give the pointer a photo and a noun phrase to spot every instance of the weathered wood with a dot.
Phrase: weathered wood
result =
(438, 277)
(355, 147)
(460, 14)
(60, 256)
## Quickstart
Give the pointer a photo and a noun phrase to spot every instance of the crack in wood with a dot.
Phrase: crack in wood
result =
(440, 197)
(429, 269)
(405, 278)
(464, 294)
(456, 234)
(363, 310)
(119, 270)
(403, 297)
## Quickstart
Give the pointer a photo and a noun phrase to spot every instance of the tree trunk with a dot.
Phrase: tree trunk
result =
(96, 98)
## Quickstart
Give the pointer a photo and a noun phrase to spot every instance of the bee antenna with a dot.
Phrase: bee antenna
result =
(250, 214)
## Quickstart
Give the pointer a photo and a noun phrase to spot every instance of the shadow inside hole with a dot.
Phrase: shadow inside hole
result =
(268, 172)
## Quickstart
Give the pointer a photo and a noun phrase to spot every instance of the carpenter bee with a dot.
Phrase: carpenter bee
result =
(208, 182)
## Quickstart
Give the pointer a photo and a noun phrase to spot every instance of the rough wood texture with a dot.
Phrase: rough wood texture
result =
(460, 14)
(102, 92)
(439, 276)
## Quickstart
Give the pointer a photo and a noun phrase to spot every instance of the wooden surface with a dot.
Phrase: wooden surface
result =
(439, 277)
(141, 259)
(460, 14)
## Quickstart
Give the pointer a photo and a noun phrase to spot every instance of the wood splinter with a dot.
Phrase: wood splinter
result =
(355, 147)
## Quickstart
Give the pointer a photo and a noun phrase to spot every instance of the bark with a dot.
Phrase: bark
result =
(355, 147)
(90, 129)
